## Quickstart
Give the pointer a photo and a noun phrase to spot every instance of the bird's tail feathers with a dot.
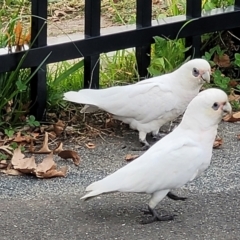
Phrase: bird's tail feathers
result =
(97, 188)
(90, 195)
(85, 96)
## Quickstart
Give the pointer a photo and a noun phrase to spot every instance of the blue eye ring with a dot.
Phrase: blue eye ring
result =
(195, 72)
(215, 106)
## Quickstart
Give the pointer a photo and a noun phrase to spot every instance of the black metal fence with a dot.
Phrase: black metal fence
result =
(94, 44)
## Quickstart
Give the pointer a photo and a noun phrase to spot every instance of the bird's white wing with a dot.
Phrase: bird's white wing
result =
(169, 164)
(131, 101)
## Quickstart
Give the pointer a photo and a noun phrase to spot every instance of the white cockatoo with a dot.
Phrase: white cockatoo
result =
(176, 159)
(149, 104)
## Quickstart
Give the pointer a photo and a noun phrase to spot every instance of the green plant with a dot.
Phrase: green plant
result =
(14, 91)
(221, 81)
(211, 4)
(167, 55)
(9, 132)
(31, 121)
(63, 77)
(175, 7)
(209, 55)
(3, 156)
(118, 68)
(237, 59)
(235, 105)
(14, 146)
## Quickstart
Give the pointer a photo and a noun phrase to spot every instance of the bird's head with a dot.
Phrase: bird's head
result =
(196, 72)
(208, 108)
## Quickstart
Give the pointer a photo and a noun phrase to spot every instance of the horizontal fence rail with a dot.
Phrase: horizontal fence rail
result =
(191, 27)
(134, 38)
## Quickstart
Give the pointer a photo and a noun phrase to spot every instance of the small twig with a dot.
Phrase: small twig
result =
(233, 35)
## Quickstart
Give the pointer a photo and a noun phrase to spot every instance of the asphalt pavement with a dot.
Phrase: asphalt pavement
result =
(51, 208)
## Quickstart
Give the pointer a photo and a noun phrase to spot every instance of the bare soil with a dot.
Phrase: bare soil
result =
(72, 25)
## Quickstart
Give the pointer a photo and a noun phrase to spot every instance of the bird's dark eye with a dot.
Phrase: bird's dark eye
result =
(215, 106)
(195, 72)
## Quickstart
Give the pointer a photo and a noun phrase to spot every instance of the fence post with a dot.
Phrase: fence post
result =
(144, 19)
(92, 29)
(237, 5)
(193, 10)
(38, 84)
(236, 31)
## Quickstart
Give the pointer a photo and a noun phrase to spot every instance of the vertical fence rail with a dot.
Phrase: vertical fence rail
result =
(236, 31)
(92, 29)
(144, 19)
(38, 84)
(237, 4)
(193, 10)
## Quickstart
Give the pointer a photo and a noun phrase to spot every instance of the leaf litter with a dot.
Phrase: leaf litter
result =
(83, 129)
(16, 163)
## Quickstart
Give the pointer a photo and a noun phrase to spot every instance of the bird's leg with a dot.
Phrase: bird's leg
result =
(143, 141)
(175, 197)
(154, 200)
(156, 217)
(157, 135)
(170, 126)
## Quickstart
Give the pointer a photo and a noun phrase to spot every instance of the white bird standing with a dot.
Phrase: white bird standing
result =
(176, 159)
(147, 105)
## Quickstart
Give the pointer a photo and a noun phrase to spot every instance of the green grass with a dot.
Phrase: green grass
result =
(118, 68)
(63, 77)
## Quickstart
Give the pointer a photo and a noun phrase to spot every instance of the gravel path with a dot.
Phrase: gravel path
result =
(51, 209)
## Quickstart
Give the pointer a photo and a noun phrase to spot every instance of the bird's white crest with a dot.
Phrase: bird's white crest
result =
(148, 104)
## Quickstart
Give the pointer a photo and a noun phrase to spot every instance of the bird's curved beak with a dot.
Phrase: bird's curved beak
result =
(227, 109)
(206, 77)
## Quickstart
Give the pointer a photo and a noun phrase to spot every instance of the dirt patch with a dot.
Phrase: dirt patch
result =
(68, 26)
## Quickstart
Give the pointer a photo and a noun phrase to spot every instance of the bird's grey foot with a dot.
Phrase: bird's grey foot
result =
(155, 217)
(175, 197)
(145, 146)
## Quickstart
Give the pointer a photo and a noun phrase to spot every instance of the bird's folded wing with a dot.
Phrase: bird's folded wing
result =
(132, 101)
(166, 167)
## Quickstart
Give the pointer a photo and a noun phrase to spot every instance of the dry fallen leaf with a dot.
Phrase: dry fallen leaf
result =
(3, 164)
(130, 157)
(222, 61)
(12, 172)
(48, 168)
(27, 165)
(55, 173)
(90, 145)
(235, 117)
(59, 13)
(59, 148)
(52, 135)
(17, 156)
(27, 38)
(18, 33)
(70, 154)
(24, 165)
(7, 149)
(59, 127)
(45, 165)
(233, 83)
(44, 148)
(19, 138)
(233, 97)
(218, 142)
